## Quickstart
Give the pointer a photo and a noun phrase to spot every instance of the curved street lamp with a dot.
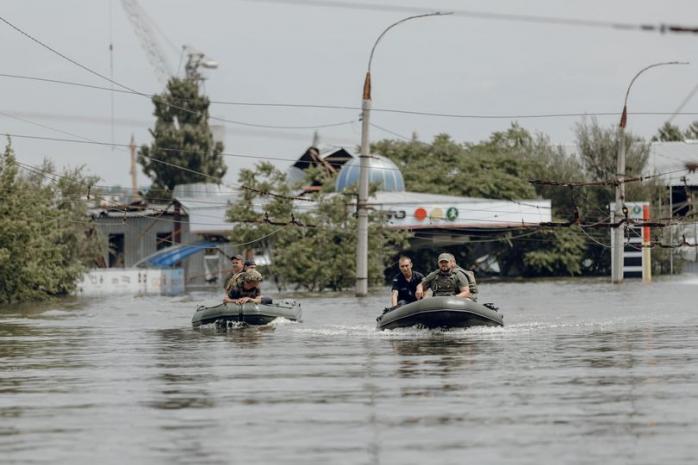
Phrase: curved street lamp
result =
(362, 233)
(618, 232)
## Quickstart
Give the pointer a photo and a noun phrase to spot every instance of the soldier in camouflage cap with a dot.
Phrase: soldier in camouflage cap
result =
(252, 276)
(444, 281)
(246, 289)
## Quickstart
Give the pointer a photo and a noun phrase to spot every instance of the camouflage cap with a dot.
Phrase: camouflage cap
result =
(252, 276)
(444, 257)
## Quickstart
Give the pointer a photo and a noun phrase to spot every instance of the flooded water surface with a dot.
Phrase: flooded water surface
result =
(582, 372)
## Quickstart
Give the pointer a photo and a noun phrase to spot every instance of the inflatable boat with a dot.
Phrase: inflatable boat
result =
(441, 312)
(249, 313)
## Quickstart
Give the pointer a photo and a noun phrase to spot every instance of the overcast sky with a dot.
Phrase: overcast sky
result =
(301, 52)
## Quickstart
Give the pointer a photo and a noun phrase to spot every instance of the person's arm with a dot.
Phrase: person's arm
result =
(464, 292)
(419, 292)
(244, 300)
(393, 298)
(463, 286)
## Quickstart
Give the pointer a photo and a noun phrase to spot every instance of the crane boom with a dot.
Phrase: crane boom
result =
(141, 24)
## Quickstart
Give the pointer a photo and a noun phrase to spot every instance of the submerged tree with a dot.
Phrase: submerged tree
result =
(46, 240)
(183, 150)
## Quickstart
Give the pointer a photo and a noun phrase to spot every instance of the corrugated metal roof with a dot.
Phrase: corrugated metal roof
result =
(206, 204)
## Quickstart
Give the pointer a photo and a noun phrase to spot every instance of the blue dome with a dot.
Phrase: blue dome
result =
(382, 171)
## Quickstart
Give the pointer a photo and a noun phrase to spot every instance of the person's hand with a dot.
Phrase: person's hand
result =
(419, 293)
(244, 300)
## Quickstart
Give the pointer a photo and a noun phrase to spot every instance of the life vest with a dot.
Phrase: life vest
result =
(445, 284)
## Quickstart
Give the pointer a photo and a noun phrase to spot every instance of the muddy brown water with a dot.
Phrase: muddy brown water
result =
(583, 372)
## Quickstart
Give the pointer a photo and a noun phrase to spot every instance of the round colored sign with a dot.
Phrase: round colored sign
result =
(437, 214)
(452, 213)
(420, 214)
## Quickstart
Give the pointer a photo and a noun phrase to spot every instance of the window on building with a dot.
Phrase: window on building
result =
(163, 240)
(117, 251)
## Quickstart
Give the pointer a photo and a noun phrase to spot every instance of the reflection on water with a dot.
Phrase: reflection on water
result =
(579, 363)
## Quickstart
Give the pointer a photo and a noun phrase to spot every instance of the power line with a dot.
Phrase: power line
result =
(166, 163)
(661, 28)
(356, 108)
(112, 81)
(611, 182)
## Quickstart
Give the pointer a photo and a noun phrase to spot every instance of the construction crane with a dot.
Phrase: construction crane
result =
(141, 23)
(145, 29)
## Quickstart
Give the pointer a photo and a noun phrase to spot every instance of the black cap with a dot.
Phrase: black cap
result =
(250, 263)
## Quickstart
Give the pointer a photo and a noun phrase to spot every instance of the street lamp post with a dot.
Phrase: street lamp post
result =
(362, 212)
(618, 232)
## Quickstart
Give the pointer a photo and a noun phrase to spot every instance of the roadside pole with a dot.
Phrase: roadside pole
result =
(362, 212)
(618, 233)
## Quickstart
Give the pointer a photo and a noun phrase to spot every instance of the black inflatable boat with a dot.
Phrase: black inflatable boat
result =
(249, 313)
(441, 312)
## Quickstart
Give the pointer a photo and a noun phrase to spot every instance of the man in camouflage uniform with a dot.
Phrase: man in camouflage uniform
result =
(444, 281)
(238, 266)
(246, 289)
(469, 275)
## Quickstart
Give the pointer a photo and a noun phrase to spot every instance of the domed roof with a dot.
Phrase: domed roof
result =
(382, 171)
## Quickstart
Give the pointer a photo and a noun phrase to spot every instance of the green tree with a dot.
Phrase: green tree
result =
(491, 169)
(499, 168)
(691, 131)
(598, 150)
(181, 139)
(45, 238)
(548, 252)
(668, 133)
(316, 253)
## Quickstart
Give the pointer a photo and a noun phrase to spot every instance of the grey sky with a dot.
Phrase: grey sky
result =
(271, 52)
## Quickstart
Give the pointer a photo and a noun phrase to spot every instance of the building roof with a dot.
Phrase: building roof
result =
(334, 158)
(381, 171)
(206, 204)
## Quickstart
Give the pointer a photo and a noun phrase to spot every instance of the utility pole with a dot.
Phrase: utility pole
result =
(132, 171)
(362, 211)
(619, 231)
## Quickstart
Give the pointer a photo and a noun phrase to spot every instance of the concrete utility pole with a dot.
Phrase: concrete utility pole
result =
(362, 212)
(619, 232)
(133, 172)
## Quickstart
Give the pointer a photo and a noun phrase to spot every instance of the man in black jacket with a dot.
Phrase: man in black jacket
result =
(405, 283)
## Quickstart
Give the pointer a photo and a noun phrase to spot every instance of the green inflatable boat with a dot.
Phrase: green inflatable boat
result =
(441, 312)
(249, 313)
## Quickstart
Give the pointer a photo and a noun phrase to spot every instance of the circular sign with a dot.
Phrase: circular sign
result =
(437, 214)
(452, 213)
(637, 210)
(420, 214)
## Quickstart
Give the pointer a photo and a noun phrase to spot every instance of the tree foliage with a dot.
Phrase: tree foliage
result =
(491, 169)
(183, 150)
(672, 133)
(45, 240)
(668, 133)
(501, 167)
(321, 254)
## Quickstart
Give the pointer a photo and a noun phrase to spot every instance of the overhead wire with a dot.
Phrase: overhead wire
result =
(488, 15)
(357, 108)
(143, 94)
